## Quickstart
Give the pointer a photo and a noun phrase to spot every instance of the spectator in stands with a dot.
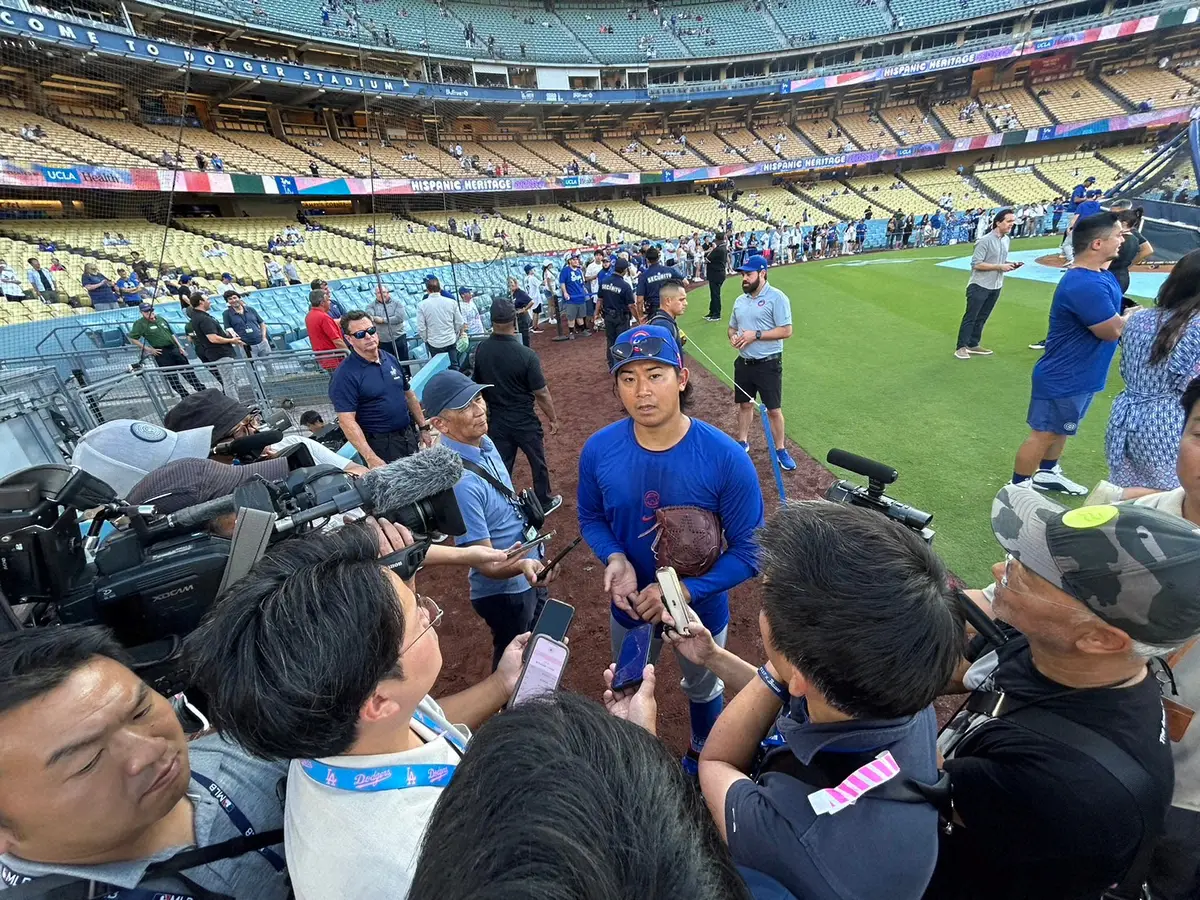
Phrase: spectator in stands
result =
(345, 697)
(10, 283)
(201, 162)
(212, 344)
(56, 266)
(335, 309)
(513, 383)
(218, 163)
(1160, 355)
(100, 791)
(440, 322)
(47, 246)
(42, 282)
(108, 240)
(99, 288)
(811, 717)
(312, 167)
(324, 333)
(388, 316)
(274, 272)
(243, 321)
(479, 835)
(129, 288)
(154, 337)
(1084, 609)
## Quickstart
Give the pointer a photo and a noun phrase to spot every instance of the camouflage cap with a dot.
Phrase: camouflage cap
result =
(1135, 567)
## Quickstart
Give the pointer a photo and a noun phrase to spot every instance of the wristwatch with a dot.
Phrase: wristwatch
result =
(426, 427)
(758, 335)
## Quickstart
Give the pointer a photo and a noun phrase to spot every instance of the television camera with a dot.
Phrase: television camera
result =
(152, 580)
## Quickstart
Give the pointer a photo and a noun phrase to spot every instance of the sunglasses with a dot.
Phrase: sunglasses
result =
(645, 348)
(366, 332)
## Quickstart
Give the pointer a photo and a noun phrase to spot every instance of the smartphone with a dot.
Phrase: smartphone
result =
(635, 653)
(544, 667)
(562, 553)
(529, 545)
(554, 620)
(672, 592)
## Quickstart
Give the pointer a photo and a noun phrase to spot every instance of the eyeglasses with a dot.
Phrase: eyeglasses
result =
(647, 347)
(359, 335)
(432, 611)
(248, 425)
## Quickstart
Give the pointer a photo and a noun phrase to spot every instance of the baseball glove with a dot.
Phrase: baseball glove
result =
(687, 538)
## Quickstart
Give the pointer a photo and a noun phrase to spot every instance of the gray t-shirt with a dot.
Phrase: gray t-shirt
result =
(991, 249)
(251, 784)
(770, 309)
(393, 313)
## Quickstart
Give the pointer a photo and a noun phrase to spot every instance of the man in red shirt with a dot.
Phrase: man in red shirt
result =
(323, 331)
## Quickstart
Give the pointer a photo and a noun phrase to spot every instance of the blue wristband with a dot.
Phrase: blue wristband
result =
(776, 688)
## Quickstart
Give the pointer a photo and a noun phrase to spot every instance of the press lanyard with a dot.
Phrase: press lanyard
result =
(238, 818)
(388, 778)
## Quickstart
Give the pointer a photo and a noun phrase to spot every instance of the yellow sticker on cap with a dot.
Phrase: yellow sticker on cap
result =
(1089, 516)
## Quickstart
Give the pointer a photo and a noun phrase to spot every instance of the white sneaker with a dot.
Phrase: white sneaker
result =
(552, 321)
(1055, 480)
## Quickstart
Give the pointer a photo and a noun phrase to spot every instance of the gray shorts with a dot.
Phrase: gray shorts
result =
(572, 311)
(698, 683)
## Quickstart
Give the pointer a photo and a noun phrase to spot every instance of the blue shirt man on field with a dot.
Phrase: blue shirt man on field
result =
(759, 324)
(658, 458)
(573, 288)
(652, 278)
(1085, 326)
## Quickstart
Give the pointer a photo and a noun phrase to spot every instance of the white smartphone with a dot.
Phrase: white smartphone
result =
(545, 663)
(672, 592)
(529, 545)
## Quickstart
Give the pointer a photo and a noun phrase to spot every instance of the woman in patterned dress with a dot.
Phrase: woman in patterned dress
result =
(1160, 354)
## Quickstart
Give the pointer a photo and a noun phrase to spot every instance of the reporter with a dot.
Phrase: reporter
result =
(99, 783)
(557, 799)
(861, 630)
(323, 656)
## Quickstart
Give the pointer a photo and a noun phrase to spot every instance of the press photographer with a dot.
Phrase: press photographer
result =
(504, 593)
(324, 656)
(100, 789)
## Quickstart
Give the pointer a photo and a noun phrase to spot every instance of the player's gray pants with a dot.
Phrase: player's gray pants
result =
(1068, 250)
(698, 683)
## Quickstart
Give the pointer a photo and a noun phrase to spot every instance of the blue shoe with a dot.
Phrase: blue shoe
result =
(691, 764)
(785, 460)
(745, 445)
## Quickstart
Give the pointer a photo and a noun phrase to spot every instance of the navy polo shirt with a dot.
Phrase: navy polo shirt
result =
(247, 325)
(374, 392)
(773, 829)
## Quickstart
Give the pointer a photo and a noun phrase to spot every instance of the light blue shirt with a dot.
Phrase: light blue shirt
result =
(770, 309)
(488, 515)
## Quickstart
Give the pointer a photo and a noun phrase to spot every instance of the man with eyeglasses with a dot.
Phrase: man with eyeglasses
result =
(322, 655)
(371, 395)
(656, 459)
(1060, 762)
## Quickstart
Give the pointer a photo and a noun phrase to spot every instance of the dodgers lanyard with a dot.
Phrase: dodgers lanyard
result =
(238, 818)
(387, 778)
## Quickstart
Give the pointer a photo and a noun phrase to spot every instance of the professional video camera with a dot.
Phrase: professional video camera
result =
(872, 496)
(153, 581)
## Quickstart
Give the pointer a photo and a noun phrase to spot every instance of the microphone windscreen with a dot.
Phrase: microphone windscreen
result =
(412, 478)
(876, 471)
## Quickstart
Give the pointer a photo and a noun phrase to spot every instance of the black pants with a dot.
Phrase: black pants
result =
(528, 439)
(524, 325)
(1175, 870)
(507, 615)
(613, 327)
(714, 298)
(980, 302)
(170, 356)
(392, 445)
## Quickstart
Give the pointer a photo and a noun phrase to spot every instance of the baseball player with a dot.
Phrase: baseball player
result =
(655, 460)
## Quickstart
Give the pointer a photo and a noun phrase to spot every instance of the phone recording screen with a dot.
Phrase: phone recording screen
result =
(635, 652)
(542, 671)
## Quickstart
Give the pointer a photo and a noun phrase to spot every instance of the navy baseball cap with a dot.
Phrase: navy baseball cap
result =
(462, 291)
(755, 264)
(528, 269)
(1089, 179)
(146, 307)
(643, 343)
(574, 254)
(429, 278)
(621, 265)
(449, 390)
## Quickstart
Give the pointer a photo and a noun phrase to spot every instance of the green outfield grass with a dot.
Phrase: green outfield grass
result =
(870, 368)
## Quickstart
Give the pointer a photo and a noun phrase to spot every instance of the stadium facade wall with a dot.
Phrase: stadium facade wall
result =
(38, 176)
(60, 32)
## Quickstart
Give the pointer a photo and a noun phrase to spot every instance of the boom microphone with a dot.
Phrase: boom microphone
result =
(409, 480)
(876, 471)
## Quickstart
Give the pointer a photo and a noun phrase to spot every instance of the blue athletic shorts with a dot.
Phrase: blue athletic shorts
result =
(1061, 415)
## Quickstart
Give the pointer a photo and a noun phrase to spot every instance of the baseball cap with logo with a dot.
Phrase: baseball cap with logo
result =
(643, 343)
(186, 482)
(122, 452)
(755, 263)
(1135, 567)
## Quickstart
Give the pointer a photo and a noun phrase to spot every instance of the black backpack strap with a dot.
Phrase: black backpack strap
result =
(1120, 765)
(491, 479)
(69, 887)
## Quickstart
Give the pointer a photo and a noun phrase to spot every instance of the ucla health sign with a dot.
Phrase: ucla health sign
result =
(60, 176)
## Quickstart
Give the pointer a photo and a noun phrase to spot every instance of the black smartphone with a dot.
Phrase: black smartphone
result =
(562, 553)
(554, 620)
(635, 653)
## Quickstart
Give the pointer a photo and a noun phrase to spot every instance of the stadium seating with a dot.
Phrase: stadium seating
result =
(775, 205)
(607, 160)
(909, 123)
(132, 138)
(961, 117)
(1069, 169)
(1163, 88)
(68, 141)
(812, 21)
(935, 183)
(292, 157)
(922, 13)
(753, 146)
(576, 231)
(420, 240)
(555, 155)
(343, 256)
(1003, 180)
(1091, 103)
(234, 157)
(1126, 158)
(631, 38)
(866, 130)
(885, 193)
(823, 134)
(710, 146)
(1004, 101)
(637, 219)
